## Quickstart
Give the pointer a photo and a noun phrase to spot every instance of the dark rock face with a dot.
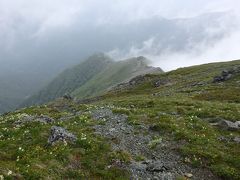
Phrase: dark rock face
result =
(67, 96)
(226, 75)
(60, 134)
(140, 79)
(137, 80)
(160, 82)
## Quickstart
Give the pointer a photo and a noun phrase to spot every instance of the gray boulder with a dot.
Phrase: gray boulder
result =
(237, 139)
(160, 82)
(60, 134)
(228, 125)
(101, 113)
(44, 119)
(226, 75)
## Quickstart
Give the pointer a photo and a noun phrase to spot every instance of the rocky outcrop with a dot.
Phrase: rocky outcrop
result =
(228, 125)
(226, 75)
(161, 82)
(138, 80)
(25, 118)
(60, 134)
(227, 139)
(67, 96)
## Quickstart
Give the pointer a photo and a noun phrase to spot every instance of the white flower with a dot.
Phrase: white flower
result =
(1, 177)
(20, 149)
(65, 143)
(17, 158)
(83, 137)
(9, 172)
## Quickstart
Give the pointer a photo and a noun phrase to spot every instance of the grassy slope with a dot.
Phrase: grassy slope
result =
(90, 78)
(114, 74)
(177, 111)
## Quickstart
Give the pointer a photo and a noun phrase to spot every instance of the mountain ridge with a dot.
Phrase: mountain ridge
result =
(92, 77)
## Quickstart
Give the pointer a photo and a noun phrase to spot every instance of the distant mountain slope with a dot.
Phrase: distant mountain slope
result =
(92, 77)
(114, 74)
(71, 79)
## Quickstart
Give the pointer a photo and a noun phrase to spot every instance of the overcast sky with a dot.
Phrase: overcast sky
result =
(37, 18)
(57, 13)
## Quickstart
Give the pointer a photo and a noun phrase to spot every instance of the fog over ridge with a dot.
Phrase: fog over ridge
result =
(40, 38)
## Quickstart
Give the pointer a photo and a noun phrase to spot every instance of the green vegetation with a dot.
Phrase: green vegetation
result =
(93, 77)
(180, 111)
(26, 154)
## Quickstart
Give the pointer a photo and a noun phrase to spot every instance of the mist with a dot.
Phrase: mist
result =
(39, 38)
(42, 31)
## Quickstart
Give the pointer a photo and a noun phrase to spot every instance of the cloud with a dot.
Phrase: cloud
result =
(220, 42)
(224, 50)
(25, 25)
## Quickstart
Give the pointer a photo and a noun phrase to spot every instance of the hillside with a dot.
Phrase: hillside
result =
(182, 124)
(70, 79)
(92, 77)
(114, 74)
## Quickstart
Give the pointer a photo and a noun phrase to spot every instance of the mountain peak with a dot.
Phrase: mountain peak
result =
(92, 77)
(99, 57)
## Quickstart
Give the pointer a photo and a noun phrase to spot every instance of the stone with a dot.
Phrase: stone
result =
(112, 129)
(188, 175)
(44, 119)
(160, 82)
(237, 123)
(25, 118)
(224, 139)
(198, 84)
(236, 139)
(166, 176)
(101, 113)
(60, 134)
(226, 75)
(138, 166)
(123, 128)
(156, 166)
(228, 125)
(132, 106)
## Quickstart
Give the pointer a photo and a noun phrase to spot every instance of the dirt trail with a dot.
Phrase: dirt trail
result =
(161, 162)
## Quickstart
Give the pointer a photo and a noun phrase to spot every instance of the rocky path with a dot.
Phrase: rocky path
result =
(160, 162)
